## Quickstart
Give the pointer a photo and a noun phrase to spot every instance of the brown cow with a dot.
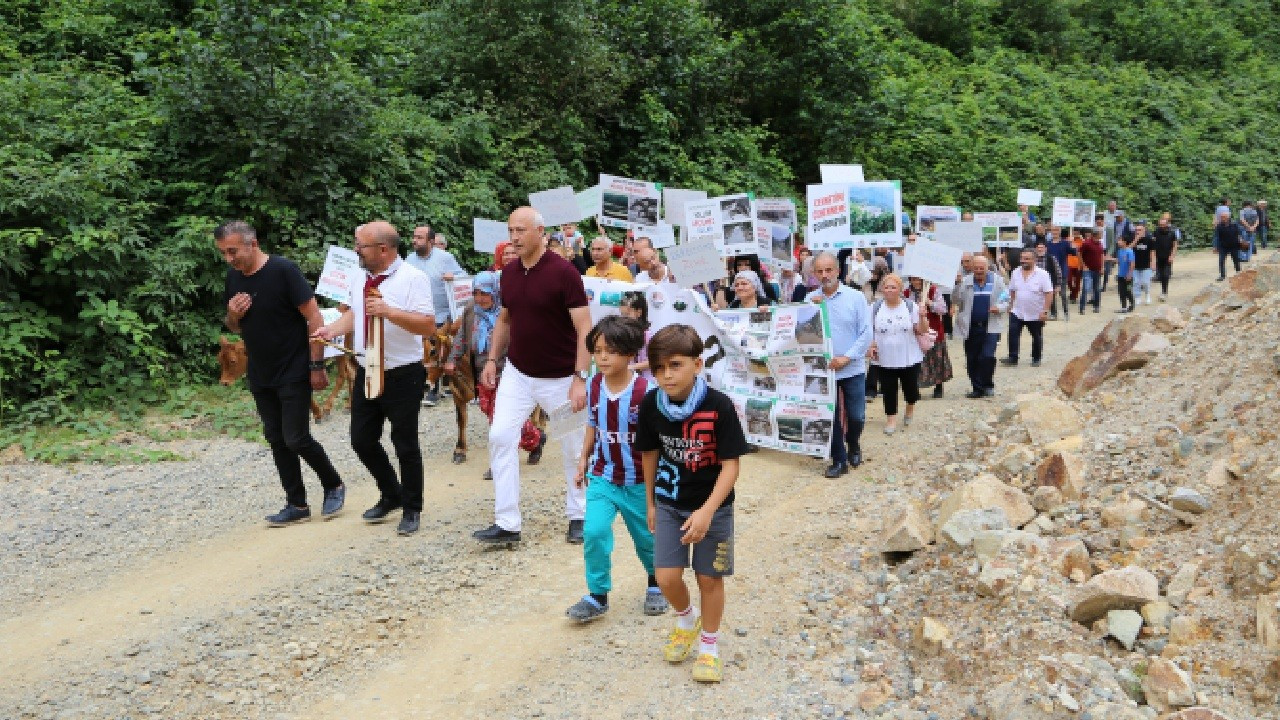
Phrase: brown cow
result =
(234, 361)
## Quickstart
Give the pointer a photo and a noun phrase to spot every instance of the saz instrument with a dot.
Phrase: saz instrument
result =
(373, 351)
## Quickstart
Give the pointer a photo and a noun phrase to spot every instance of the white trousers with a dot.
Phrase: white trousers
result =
(518, 394)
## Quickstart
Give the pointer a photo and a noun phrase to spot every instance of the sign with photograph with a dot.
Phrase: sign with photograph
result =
(341, 272)
(488, 234)
(557, 205)
(661, 235)
(780, 211)
(728, 221)
(927, 215)
(854, 215)
(1000, 229)
(1073, 212)
(627, 203)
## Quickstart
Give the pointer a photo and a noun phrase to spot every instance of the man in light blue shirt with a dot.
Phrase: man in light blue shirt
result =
(440, 267)
(850, 320)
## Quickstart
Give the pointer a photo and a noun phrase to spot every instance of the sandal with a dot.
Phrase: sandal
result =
(708, 669)
(654, 602)
(586, 610)
(680, 642)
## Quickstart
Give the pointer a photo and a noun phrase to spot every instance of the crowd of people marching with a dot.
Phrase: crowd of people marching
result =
(660, 447)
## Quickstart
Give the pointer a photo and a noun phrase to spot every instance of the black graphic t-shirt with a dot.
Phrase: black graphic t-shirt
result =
(274, 332)
(690, 452)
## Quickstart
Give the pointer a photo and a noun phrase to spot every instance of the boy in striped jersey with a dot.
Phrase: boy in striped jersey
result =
(611, 468)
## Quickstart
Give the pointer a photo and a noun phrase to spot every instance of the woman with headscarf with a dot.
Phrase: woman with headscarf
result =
(471, 346)
(936, 367)
(747, 291)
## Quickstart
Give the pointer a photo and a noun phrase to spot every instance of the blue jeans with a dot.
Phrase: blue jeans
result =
(1091, 286)
(1252, 238)
(853, 390)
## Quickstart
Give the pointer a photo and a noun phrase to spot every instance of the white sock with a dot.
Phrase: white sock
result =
(687, 618)
(709, 644)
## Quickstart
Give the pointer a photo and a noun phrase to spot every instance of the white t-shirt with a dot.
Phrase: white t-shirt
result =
(407, 288)
(895, 335)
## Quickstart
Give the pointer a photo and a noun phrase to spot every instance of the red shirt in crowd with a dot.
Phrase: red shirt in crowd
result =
(1091, 253)
(543, 341)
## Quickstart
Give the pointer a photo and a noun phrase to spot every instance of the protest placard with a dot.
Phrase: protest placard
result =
(459, 292)
(780, 211)
(588, 202)
(693, 263)
(562, 420)
(488, 234)
(329, 316)
(627, 203)
(839, 174)
(933, 261)
(1000, 229)
(674, 200)
(557, 205)
(776, 245)
(728, 221)
(1031, 198)
(341, 271)
(865, 214)
(1073, 212)
(661, 235)
(927, 215)
(967, 236)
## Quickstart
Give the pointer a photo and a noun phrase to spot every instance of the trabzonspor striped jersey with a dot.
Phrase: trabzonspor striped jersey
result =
(614, 419)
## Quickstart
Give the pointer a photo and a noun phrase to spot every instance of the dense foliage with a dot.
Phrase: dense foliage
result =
(130, 127)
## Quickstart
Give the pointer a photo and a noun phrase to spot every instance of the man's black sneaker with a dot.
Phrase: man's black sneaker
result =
(835, 470)
(378, 513)
(1008, 361)
(288, 516)
(974, 394)
(937, 390)
(535, 457)
(333, 501)
(855, 458)
(573, 535)
(495, 534)
(989, 392)
(1035, 363)
(409, 523)
(431, 398)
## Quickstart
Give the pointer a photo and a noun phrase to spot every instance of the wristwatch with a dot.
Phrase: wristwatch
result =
(583, 375)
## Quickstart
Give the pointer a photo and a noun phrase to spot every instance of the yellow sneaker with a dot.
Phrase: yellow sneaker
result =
(708, 669)
(680, 642)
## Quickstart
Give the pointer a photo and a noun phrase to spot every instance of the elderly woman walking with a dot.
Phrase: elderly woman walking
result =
(936, 367)
(895, 323)
(748, 292)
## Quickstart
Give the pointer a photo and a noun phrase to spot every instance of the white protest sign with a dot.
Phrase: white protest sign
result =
(966, 236)
(927, 215)
(330, 316)
(728, 221)
(1073, 212)
(341, 271)
(1030, 197)
(859, 215)
(828, 217)
(661, 235)
(932, 261)
(459, 292)
(488, 234)
(557, 205)
(693, 263)
(1000, 229)
(588, 202)
(563, 421)
(674, 200)
(780, 211)
(835, 174)
(627, 203)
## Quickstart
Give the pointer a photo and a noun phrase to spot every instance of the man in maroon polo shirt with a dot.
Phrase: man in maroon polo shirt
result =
(542, 328)
(1091, 257)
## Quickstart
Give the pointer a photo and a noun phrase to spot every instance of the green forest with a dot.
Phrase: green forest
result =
(130, 128)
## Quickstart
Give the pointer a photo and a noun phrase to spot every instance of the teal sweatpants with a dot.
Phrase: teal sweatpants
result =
(604, 501)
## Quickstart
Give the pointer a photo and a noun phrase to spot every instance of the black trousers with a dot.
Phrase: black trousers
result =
(1164, 271)
(980, 358)
(286, 424)
(399, 404)
(890, 378)
(1222, 261)
(1125, 286)
(1036, 328)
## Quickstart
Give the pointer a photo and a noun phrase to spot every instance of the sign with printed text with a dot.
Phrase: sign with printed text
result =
(341, 272)
(661, 235)
(927, 215)
(1030, 198)
(728, 221)
(1073, 212)
(674, 200)
(557, 205)
(932, 261)
(627, 203)
(854, 215)
(779, 211)
(459, 290)
(694, 263)
(563, 421)
(1000, 229)
(488, 234)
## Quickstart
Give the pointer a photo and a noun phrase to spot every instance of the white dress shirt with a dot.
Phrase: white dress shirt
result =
(407, 288)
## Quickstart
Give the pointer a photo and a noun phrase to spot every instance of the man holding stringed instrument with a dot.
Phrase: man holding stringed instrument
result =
(389, 317)
(272, 307)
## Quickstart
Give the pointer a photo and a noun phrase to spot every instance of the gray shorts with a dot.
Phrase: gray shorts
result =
(712, 556)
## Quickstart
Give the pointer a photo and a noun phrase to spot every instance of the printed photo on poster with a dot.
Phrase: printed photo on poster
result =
(928, 215)
(759, 414)
(809, 328)
(627, 203)
(780, 211)
(781, 247)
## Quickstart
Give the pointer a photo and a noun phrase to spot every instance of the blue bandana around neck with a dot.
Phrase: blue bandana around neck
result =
(681, 412)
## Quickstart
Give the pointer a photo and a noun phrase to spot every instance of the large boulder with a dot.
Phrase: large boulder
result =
(1048, 419)
(1124, 344)
(1167, 686)
(986, 491)
(1127, 588)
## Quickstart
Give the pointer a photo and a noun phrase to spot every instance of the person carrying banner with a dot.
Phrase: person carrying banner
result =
(981, 303)
(850, 322)
(542, 328)
(404, 304)
(272, 307)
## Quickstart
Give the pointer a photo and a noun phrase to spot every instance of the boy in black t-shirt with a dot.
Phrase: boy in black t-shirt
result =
(690, 441)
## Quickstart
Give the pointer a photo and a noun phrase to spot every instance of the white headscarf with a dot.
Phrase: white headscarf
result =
(753, 277)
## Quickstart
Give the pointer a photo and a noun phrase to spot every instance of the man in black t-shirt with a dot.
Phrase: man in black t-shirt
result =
(271, 305)
(1142, 270)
